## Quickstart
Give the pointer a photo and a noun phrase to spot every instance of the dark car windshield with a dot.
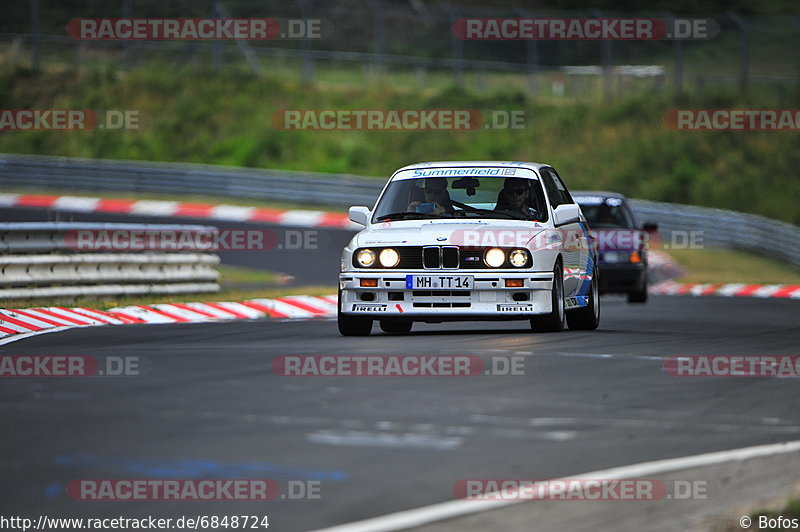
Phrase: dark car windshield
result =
(511, 198)
(606, 213)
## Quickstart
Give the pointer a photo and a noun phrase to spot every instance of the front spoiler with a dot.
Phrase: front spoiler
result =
(487, 299)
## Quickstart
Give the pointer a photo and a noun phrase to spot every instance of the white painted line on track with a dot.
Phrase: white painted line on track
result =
(424, 515)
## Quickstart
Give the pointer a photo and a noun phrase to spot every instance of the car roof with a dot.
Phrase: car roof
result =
(598, 193)
(460, 164)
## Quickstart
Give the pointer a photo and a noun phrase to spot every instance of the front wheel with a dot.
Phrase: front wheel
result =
(352, 325)
(554, 321)
(587, 318)
(639, 296)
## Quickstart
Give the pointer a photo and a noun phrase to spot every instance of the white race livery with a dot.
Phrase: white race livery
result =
(475, 240)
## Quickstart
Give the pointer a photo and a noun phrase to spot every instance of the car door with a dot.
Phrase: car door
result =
(585, 243)
(573, 235)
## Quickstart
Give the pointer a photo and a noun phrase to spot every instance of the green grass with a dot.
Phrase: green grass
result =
(226, 119)
(232, 275)
(731, 266)
(790, 511)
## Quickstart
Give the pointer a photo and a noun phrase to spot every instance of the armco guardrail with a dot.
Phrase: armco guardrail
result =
(718, 228)
(41, 259)
(170, 178)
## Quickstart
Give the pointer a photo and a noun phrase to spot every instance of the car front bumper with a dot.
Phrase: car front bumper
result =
(622, 278)
(488, 298)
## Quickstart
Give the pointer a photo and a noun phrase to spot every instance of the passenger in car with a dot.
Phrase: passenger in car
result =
(435, 191)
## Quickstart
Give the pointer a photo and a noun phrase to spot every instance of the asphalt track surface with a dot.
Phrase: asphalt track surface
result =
(209, 406)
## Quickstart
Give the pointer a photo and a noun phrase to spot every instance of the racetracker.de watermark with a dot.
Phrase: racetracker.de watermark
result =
(193, 490)
(571, 239)
(395, 366)
(733, 366)
(68, 119)
(575, 489)
(72, 366)
(397, 119)
(733, 119)
(585, 29)
(198, 240)
(202, 29)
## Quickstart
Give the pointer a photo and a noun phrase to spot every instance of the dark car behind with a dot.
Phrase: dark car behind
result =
(621, 243)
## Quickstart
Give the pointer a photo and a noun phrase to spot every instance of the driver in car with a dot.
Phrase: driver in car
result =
(435, 191)
(514, 196)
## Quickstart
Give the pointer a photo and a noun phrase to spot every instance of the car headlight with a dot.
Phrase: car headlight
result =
(613, 257)
(518, 258)
(494, 258)
(366, 257)
(389, 258)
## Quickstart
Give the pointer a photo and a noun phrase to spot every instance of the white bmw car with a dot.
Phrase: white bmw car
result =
(475, 240)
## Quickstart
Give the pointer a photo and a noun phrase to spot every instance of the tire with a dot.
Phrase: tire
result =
(553, 322)
(587, 318)
(352, 325)
(394, 326)
(639, 296)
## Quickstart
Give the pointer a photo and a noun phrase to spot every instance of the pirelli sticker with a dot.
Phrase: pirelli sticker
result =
(514, 308)
(358, 307)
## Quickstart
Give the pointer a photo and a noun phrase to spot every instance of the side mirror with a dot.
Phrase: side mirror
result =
(359, 215)
(566, 213)
(650, 226)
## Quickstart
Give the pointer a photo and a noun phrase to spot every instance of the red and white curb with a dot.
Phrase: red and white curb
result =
(671, 288)
(228, 213)
(49, 319)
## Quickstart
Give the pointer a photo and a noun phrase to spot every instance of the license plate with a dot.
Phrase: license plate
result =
(439, 282)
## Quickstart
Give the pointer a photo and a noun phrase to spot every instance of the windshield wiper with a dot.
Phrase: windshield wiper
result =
(402, 215)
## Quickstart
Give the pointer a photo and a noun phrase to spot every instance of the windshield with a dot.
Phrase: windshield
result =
(511, 198)
(605, 213)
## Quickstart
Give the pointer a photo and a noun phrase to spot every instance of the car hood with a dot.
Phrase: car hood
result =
(446, 232)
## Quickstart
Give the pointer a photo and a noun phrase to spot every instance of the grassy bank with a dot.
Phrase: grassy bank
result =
(621, 146)
(731, 266)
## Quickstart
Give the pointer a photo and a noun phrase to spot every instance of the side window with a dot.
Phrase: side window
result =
(565, 195)
(550, 186)
(537, 201)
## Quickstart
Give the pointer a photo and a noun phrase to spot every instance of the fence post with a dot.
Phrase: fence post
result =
(457, 47)
(607, 53)
(126, 54)
(677, 46)
(744, 50)
(795, 20)
(378, 38)
(244, 46)
(216, 50)
(307, 69)
(531, 55)
(678, 74)
(35, 34)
